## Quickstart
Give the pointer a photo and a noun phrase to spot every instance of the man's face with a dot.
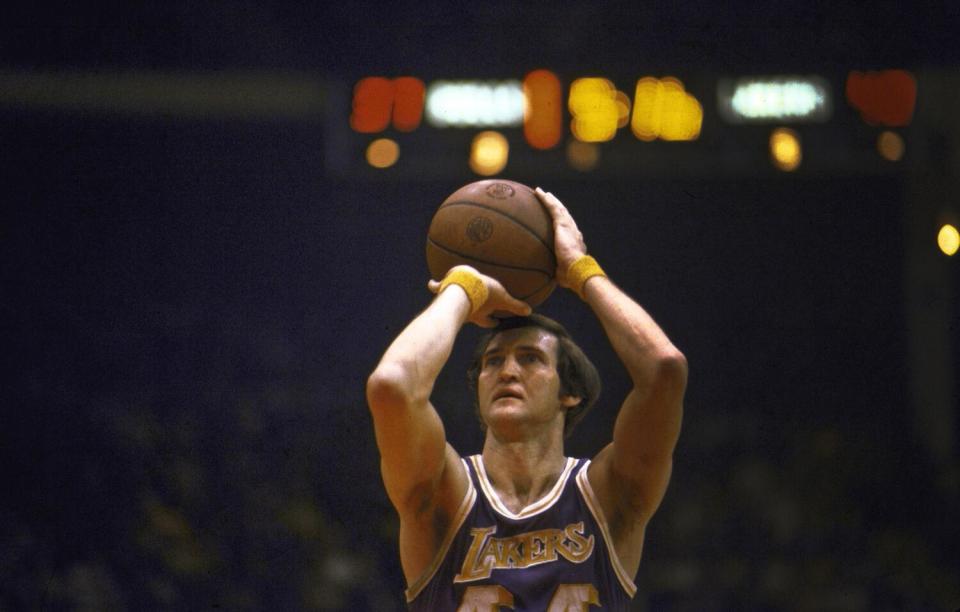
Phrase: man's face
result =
(518, 386)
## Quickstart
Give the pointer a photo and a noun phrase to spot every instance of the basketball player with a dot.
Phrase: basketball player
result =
(522, 526)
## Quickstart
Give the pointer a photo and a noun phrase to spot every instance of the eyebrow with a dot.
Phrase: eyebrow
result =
(521, 347)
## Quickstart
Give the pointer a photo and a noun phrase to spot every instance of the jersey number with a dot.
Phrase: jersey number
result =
(567, 598)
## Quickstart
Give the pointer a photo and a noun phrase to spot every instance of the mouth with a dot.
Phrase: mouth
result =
(507, 393)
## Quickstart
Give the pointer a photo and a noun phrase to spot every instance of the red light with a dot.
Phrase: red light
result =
(408, 103)
(376, 100)
(372, 101)
(884, 97)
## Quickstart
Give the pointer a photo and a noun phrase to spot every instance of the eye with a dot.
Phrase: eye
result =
(530, 358)
(493, 360)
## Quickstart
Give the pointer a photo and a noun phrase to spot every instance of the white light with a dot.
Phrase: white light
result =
(774, 99)
(475, 104)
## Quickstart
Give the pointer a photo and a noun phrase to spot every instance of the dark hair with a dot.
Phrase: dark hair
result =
(578, 375)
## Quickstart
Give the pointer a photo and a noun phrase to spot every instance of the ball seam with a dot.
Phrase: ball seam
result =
(504, 215)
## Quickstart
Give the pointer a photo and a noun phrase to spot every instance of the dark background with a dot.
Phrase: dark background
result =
(192, 301)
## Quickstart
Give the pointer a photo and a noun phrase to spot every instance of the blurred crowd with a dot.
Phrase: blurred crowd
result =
(259, 490)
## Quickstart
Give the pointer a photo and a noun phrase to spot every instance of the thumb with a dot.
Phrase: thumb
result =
(433, 286)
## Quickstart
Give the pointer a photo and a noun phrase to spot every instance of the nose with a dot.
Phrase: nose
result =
(508, 371)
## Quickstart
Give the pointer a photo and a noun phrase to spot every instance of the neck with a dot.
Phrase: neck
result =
(523, 472)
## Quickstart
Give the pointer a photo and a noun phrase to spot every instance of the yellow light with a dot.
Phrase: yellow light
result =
(593, 104)
(582, 156)
(488, 153)
(682, 114)
(890, 145)
(948, 239)
(662, 108)
(383, 153)
(645, 122)
(623, 109)
(785, 149)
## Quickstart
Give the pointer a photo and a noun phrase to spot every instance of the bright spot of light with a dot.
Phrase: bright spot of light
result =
(488, 153)
(663, 109)
(582, 156)
(475, 103)
(948, 239)
(774, 99)
(543, 112)
(890, 145)
(593, 103)
(383, 153)
(785, 150)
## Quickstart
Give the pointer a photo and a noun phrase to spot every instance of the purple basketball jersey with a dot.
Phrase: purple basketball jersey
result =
(555, 554)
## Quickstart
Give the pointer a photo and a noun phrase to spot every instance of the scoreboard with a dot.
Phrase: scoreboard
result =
(639, 125)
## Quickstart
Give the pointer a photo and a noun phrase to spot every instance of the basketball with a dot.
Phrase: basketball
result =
(500, 228)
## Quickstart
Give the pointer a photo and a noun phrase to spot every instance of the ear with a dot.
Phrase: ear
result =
(570, 401)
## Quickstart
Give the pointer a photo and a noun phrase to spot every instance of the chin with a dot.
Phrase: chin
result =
(504, 413)
(508, 415)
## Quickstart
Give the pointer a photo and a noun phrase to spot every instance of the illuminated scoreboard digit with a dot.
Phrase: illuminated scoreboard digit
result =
(378, 101)
(543, 111)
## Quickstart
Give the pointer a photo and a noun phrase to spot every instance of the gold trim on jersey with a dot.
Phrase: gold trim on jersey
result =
(584, 484)
(458, 519)
(536, 507)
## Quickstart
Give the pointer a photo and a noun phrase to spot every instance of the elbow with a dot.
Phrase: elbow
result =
(386, 389)
(671, 370)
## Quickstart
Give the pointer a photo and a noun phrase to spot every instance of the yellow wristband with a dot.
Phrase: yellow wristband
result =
(579, 271)
(476, 289)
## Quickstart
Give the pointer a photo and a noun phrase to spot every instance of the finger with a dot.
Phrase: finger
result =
(487, 322)
(545, 197)
(520, 307)
(433, 286)
(549, 198)
(511, 307)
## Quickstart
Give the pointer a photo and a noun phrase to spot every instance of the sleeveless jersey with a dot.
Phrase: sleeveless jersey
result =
(555, 554)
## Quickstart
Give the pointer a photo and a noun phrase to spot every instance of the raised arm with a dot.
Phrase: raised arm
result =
(631, 474)
(421, 473)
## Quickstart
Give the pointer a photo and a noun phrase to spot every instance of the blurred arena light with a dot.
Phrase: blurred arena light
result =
(948, 239)
(663, 109)
(475, 103)
(377, 100)
(383, 153)
(623, 109)
(884, 97)
(408, 101)
(785, 150)
(778, 98)
(489, 153)
(372, 105)
(542, 111)
(582, 156)
(890, 145)
(593, 103)
(223, 94)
